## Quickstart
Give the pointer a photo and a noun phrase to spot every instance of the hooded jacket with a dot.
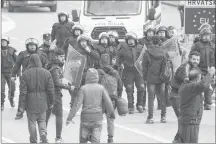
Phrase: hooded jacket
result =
(36, 87)
(56, 71)
(191, 101)
(60, 31)
(23, 60)
(93, 97)
(129, 55)
(152, 61)
(111, 71)
(207, 55)
(8, 59)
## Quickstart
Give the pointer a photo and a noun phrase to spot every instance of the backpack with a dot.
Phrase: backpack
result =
(166, 70)
(110, 84)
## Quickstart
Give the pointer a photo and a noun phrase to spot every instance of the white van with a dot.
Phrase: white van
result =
(117, 15)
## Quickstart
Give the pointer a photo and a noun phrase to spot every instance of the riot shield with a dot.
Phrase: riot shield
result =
(138, 63)
(74, 66)
(172, 49)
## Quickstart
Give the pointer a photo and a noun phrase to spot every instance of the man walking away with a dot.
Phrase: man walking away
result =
(94, 98)
(191, 104)
(36, 96)
(8, 59)
(56, 71)
(111, 80)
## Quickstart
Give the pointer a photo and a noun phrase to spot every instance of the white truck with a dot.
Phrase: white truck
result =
(117, 15)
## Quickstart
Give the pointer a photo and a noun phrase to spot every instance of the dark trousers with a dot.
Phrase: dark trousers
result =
(6, 78)
(188, 133)
(90, 131)
(110, 121)
(158, 89)
(40, 118)
(129, 78)
(175, 101)
(59, 116)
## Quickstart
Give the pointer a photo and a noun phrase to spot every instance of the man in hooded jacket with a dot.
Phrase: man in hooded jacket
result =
(152, 61)
(23, 60)
(107, 69)
(61, 30)
(36, 96)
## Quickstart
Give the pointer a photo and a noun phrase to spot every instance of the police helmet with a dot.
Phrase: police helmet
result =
(150, 28)
(63, 13)
(84, 37)
(78, 27)
(113, 33)
(161, 28)
(103, 35)
(205, 31)
(4, 37)
(31, 41)
(205, 25)
(131, 35)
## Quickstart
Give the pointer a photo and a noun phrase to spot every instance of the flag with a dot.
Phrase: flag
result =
(74, 67)
(195, 17)
(138, 63)
(171, 47)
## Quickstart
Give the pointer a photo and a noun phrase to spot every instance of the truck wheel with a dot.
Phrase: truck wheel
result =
(53, 8)
(10, 8)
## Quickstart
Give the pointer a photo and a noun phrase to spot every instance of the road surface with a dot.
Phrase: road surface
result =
(33, 22)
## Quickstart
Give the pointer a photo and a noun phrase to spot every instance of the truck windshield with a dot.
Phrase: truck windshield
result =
(112, 8)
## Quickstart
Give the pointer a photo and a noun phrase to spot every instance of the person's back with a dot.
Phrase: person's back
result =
(95, 99)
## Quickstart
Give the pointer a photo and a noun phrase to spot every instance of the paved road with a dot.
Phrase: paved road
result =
(33, 22)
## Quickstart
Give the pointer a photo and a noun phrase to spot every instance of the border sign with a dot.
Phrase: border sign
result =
(74, 66)
(198, 12)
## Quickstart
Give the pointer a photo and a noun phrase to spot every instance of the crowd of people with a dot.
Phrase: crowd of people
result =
(112, 63)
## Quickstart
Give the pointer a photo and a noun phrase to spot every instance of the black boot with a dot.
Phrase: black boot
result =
(12, 102)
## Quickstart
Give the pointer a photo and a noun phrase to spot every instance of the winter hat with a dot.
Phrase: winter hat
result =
(59, 51)
(92, 76)
(105, 60)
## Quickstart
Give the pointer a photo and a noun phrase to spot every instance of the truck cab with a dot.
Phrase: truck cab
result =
(117, 15)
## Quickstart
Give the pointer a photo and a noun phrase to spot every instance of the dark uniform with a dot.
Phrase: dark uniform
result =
(23, 60)
(207, 60)
(8, 59)
(45, 48)
(116, 46)
(128, 56)
(191, 109)
(72, 40)
(61, 30)
(91, 58)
